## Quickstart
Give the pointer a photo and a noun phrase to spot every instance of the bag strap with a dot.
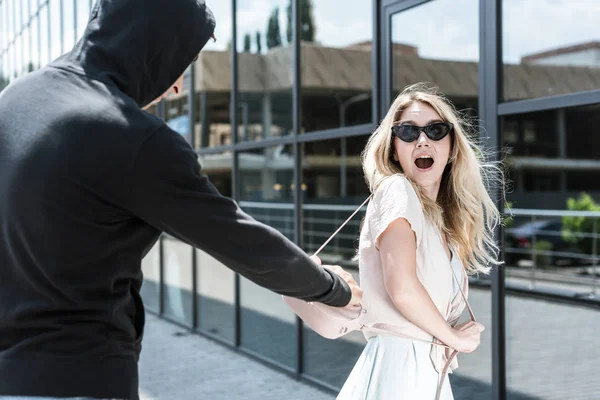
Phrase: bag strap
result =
(342, 225)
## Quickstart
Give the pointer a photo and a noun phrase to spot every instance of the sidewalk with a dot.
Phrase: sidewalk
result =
(176, 364)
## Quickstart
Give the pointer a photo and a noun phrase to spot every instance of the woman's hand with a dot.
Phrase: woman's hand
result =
(467, 337)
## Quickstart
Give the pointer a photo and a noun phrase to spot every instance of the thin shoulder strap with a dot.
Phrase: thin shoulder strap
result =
(341, 226)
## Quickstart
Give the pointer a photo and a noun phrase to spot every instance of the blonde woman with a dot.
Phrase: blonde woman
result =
(428, 225)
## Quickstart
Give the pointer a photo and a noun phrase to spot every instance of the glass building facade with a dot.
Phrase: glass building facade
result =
(279, 109)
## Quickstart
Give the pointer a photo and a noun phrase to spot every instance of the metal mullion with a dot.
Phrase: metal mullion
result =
(74, 21)
(62, 27)
(38, 15)
(235, 175)
(49, 18)
(27, 26)
(214, 150)
(269, 142)
(549, 102)
(296, 127)
(192, 121)
(490, 93)
(375, 66)
(161, 276)
(337, 133)
(160, 108)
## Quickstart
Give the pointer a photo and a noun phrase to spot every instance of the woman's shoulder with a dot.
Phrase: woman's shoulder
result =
(397, 186)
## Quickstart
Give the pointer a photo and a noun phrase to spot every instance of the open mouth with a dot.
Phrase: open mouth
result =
(424, 162)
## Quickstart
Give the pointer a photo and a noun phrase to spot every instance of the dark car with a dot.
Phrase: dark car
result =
(519, 243)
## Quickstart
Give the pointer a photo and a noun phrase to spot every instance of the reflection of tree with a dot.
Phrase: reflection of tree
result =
(3, 82)
(247, 42)
(258, 44)
(273, 30)
(307, 24)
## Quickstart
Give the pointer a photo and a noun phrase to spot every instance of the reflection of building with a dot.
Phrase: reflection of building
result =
(336, 81)
(582, 55)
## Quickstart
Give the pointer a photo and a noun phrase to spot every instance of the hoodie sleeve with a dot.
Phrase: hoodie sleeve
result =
(168, 191)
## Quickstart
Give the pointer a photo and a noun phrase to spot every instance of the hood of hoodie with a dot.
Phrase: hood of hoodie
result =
(141, 46)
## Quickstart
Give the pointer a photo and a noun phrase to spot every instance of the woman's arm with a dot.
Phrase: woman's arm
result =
(398, 249)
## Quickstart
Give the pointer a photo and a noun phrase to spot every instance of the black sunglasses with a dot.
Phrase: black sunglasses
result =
(410, 133)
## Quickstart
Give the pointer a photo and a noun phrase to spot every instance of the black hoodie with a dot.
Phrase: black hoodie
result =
(88, 182)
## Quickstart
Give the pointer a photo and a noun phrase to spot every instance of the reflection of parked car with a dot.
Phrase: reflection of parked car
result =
(519, 242)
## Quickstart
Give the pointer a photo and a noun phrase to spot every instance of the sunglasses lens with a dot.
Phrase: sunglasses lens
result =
(436, 131)
(406, 133)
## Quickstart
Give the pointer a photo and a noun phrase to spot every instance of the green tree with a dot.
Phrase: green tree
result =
(273, 30)
(307, 21)
(247, 43)
(258, 43)
(575, 227)
(3, 82)
(30, 67)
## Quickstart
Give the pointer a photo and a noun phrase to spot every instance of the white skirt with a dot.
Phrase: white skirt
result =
(393, 368)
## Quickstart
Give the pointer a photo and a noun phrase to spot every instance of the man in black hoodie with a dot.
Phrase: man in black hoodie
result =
(88, 182)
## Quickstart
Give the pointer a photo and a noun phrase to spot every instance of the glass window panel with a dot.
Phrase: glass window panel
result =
(19, 55)
(335, 187)
(266, 193)
(447, 56)
(45, 40)
(83, 14)
(213, 84)
(337, 49)
(34, 43)
(216, 291)
(265, 76)
(28, 65)
(177, 272)
(11, 63)
(150, 291)
(68, 25)
(216, 298)
(557, 172)
(55, 21)
(10, 19)
(4, 33)
(23, 12)
(550, 47)
(33, 6)
(542, 334)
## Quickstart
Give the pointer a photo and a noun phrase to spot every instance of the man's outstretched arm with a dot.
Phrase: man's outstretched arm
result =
(168, 191)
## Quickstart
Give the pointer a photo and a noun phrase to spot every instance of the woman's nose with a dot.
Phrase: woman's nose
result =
(422, 140)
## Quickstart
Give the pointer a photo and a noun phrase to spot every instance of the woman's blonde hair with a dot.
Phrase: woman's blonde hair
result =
(464, 209)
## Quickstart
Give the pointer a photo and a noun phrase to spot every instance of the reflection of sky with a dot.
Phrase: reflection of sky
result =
(441, 29)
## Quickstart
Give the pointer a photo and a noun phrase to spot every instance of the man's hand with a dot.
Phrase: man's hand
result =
(357, 292)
